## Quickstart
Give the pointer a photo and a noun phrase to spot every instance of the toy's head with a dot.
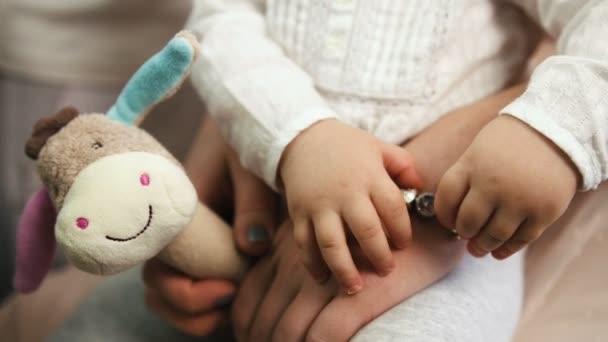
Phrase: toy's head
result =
(113, 196)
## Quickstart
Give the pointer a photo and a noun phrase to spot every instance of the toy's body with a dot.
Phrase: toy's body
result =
(120, 197)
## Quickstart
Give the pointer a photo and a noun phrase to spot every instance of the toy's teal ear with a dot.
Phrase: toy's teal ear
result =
(158, 79)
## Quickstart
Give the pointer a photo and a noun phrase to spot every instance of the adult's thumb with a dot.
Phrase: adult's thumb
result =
(255, 211)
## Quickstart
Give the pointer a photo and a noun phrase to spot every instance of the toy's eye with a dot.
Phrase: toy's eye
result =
(144, 179)
(97, 145)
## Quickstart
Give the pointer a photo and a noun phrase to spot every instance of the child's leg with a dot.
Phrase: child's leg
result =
(479, 301)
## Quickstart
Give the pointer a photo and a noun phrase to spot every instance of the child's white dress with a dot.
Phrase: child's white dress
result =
(270, 69)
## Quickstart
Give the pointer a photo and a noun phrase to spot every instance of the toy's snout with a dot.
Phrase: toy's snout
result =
(122, 210)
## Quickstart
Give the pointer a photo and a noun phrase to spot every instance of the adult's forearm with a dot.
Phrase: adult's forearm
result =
(438, 147)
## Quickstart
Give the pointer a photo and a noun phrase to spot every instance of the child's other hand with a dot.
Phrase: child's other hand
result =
(509, 185)
(340, 179)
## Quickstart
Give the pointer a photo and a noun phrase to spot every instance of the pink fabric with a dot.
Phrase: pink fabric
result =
(35, 242)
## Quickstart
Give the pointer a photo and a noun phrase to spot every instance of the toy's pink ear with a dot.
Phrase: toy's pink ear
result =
(35, 242)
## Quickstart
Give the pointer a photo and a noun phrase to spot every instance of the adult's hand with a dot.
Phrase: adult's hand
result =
(196, 306)
(279, 301)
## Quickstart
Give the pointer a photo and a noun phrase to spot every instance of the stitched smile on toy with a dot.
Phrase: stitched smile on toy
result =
(150, 212)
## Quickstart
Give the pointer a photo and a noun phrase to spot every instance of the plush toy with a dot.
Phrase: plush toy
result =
(114, 197)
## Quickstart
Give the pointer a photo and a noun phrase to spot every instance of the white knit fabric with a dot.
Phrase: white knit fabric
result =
(270, 69)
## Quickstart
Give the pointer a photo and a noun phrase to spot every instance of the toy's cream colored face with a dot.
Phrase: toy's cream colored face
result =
(122, 210)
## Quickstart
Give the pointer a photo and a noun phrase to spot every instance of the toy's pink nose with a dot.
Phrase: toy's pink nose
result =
(82, 223)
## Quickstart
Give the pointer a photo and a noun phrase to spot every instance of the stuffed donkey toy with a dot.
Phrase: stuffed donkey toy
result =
(113, 196)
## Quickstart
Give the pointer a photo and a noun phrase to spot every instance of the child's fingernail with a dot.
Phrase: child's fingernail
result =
(224, 302)
(257, 233)
(388, 270)
(353, 289)
(500, 254)
(475, 251)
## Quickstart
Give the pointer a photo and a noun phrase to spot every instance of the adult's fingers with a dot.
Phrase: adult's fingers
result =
(184, 293)
(251, 292)
(256, 210)
(303, 309)
(192, 324)
(284, 288)
(207, 166)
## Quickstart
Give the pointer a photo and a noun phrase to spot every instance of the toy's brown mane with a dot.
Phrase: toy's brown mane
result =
(47, 127)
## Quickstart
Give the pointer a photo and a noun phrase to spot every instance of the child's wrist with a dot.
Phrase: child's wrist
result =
(564, 159)
(291, 151)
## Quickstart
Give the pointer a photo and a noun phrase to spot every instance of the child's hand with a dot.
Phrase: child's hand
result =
(338, 179)
(509, 185)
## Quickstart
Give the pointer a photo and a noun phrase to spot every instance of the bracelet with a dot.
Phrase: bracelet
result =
(422, 204)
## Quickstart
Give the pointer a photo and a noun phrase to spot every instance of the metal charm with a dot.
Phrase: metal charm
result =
(422, 204)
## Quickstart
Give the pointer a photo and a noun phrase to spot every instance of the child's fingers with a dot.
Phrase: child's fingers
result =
(392, 210)
(310, 255)
(399, 164)
(362, 219)
(329, 231)
(525, 234)
(452, 189)
(473, 214)
(499, 229)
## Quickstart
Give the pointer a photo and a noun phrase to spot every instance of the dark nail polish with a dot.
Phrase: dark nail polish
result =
(224, 302)
(257, 233)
